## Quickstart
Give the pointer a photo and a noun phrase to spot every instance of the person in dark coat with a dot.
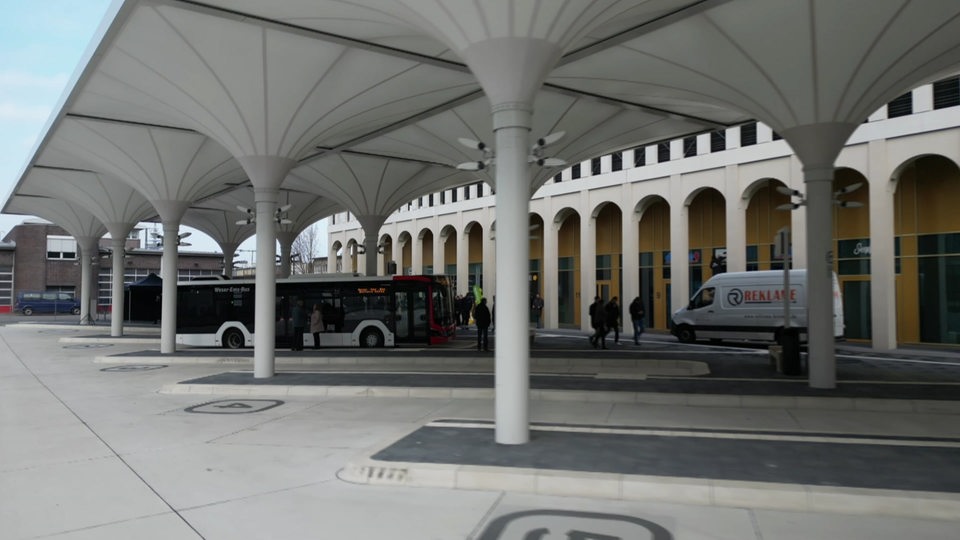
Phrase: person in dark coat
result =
(482, 318)
(637, 314)
(596, 322)
(612, 320)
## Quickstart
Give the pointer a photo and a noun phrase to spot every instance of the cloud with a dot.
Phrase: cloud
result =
(17, 80)
(18, 112)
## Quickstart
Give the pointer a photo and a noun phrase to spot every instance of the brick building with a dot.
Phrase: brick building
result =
(39, 256)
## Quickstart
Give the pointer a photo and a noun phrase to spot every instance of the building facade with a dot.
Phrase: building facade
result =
(613, 225)
(38, 256)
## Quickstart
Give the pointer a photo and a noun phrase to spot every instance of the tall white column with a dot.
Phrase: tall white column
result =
(463, 263)
(820, 347)
(371, 236)
(265, 336)
(88, 255)
(168, 296)
(511, 124)
(116, 285)
(229, 250)
(332, 260)
(736, 222)
(416, 253)
(285, 239)
(439, 253)
(266, 174)
(798, 219)
(551, 273)
(679, 247)
(489, 258)
(630, 247)
(883, 277)
(588, 262)
(171, 212)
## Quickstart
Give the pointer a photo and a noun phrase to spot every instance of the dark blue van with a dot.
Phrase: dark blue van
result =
(29, 303)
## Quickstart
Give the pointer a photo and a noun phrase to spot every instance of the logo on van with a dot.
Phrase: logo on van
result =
(735, 297)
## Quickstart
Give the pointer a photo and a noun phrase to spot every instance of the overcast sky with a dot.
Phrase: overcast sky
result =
(42, 43)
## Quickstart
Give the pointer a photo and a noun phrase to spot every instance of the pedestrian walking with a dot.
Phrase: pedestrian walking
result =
(482, 318)
(637, 314)
(612, 315)
(316, 325)
(536, 309)
(596, 322)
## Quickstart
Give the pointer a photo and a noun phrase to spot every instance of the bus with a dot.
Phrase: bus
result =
(358, 311)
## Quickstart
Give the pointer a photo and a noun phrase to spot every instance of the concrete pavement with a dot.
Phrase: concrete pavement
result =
(109, 450)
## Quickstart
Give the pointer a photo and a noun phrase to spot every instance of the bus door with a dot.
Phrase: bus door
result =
(411, 315)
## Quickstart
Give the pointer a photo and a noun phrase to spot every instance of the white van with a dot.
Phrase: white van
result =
(749, 305)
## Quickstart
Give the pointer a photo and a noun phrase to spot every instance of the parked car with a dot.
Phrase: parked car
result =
(32, 302)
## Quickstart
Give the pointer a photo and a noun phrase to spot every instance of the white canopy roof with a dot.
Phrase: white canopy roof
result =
(368, 98)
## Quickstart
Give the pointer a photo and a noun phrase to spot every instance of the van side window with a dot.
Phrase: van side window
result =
(705, 298)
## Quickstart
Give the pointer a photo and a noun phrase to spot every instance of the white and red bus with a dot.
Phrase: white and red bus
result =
(358, 311)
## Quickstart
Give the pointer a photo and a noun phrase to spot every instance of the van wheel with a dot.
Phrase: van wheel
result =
(76, 311)
(370, 338)
(232, 339)
(28, 311)
(686, 334)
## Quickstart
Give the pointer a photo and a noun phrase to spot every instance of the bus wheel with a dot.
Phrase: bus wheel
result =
(371, 337)
(232, 339)
(686, 334)
(28, 311)
(76, 311)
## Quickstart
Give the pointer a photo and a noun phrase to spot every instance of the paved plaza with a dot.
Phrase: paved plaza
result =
(104, 438)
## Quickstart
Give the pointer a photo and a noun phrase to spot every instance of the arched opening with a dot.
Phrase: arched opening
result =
(537, 263)
(405, 261)
(568, 269)
(927, 236)
(763, 220)
(707, 224)
(654, 246)
(609, 251)
(852, 235)
(426, 251)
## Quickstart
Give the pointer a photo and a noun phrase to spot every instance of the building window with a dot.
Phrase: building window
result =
(575, 171)
(61, 247)
(479, 189)
(902, 106)
(663, 152)
(430, 200)
(718, 140)
(689, 146)
(466, 193)
(443, 197)
(616, 161)
(776, 136)
(639, 156)
(748, 134)
(558, 178)
(453, 194)
(595, 166)
(946, 93)
(419, 202)
(6, 285)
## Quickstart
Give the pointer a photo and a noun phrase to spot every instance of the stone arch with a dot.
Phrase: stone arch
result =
(926, 195)
(568, 295)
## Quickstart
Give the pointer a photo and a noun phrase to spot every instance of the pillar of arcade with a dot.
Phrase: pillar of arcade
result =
(266, 174)
(171, 212)
(118, 239)
(88, 256)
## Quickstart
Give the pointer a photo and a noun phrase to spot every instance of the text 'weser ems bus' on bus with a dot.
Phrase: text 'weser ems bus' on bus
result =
(357, 311)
